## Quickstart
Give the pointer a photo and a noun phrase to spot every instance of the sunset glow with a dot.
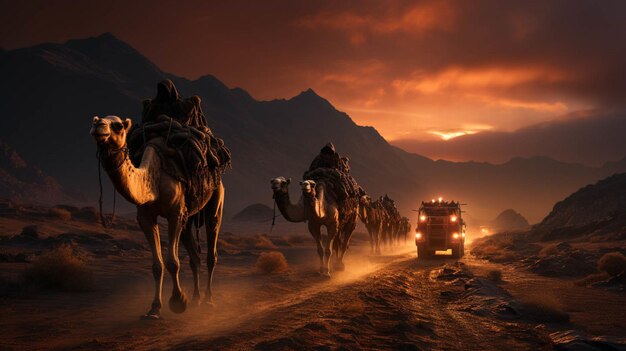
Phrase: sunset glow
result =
(451, 135)
(409, 69)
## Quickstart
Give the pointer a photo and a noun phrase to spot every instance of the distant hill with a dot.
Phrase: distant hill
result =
(254, 213)
(22, 182)
(50, 93)
(510, 220)
(593, 203)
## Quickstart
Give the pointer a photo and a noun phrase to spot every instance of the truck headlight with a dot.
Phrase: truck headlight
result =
(455, 235)
(418, 235)
(453, 218)
(423, 218)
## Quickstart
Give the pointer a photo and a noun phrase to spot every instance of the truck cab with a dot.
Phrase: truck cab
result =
(440, 227)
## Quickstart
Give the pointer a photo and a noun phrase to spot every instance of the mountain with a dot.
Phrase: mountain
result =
(50, 93)
(510, 220)
(594, 203)
(254, 213)
(22, 182)
(591, 138)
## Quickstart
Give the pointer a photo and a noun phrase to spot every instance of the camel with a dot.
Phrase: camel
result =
(405, 228)
(371, 214)
(155, 193)
(318, 208)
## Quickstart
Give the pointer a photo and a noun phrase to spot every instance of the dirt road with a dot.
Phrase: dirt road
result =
(393, 302)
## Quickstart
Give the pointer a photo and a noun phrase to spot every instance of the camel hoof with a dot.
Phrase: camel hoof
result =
(150, 316)
(325, 274)
(178, 304)
(195, 301)
(208, 303)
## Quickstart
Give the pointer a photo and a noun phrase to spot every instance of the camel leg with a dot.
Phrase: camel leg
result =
(377, 237)
(189, 242)
(178, 300)
(371, 233)
(148, 223)
(337, 243)
(327, 242)
(213, 222)
(345, 234)
(315, 230)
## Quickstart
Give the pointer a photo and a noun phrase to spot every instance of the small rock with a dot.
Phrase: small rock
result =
(30, 231)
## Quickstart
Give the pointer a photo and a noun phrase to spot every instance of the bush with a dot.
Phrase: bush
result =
(544, 308)
(271, 262)
(297, 239)
(592, 278)
(548, 250)
(60, 213)
(613, 263)
(495, 275)
(504, 256)
(61, 269)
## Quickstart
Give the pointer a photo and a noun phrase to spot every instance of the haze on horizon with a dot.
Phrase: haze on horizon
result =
(431, 76)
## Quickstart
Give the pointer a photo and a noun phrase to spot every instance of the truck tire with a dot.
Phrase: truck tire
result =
(422, 252)
(456, 251)
(459, 251)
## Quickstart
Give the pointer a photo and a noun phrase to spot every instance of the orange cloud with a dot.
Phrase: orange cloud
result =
(415, 20)
(457, 78)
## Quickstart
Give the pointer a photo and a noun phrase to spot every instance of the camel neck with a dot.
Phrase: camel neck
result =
(291, 212)
(137, 185)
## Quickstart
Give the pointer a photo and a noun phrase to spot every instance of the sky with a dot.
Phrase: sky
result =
(418, 71)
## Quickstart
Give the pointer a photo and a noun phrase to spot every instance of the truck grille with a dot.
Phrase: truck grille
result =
(437, 236)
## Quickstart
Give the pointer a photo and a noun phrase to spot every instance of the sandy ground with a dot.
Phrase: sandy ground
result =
(389, 302)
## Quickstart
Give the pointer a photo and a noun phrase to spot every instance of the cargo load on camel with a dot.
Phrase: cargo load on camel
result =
(335, 171)
(178, 130)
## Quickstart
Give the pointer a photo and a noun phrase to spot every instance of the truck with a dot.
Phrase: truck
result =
(440, 227)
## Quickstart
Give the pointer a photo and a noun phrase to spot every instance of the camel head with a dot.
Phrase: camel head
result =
(280, 185)
(308, 187)
(365, 200)
(110, 131)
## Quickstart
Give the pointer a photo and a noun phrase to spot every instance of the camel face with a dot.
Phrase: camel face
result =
(110, 131)
(365, 200)
(280, 184)
(308, 186)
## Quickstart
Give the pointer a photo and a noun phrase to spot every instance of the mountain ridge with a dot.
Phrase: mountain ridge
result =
(55, 101)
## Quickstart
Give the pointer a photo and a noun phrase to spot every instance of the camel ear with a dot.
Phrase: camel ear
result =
(95, 119)
(288, 181)
(127, 123)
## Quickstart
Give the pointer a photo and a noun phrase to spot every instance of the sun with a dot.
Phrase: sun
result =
(451, 135)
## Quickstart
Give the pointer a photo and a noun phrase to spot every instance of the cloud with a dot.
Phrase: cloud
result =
(590, 137)
(405, 67)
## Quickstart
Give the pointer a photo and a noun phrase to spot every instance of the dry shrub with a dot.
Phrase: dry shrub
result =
(297, 239)
(60, 213)
(592, 278)
(613, 263)
(279, 241)
(548, 250)
(261, 242)
(272, 262)
(495, 275)
(504, 256)
(61, 268)
(544, 308)
(355, 306)
(486, 250)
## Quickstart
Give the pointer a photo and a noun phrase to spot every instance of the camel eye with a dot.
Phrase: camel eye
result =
(117, 126)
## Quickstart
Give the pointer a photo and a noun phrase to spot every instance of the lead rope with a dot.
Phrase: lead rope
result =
(197, 224)
(273, 218)
(100, 184)
(113, 216)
